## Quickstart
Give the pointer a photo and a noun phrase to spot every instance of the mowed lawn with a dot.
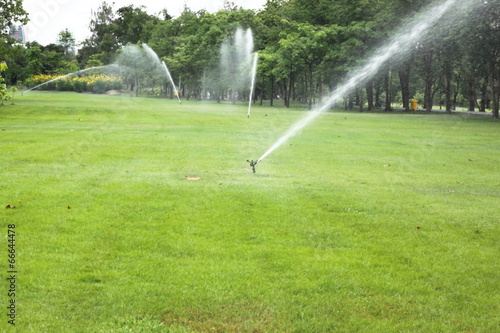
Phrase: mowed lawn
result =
(363, 222)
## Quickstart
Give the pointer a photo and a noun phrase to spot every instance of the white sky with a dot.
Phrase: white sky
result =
(49, 17)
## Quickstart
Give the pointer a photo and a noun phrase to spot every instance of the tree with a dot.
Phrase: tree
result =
(132, 61)
(4, 96)
(14, 56)
(11, 11)
(133, 25)
(34, 58)
(53, 59)
(288, 67)
(139, 68)
(483, 52)
(67, 41)
(102, 41)
(268, 62)
(311, 44)
(190, 45)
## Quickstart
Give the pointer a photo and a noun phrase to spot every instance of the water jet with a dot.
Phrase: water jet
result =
(252, 85)
(396, 49)
(152, 54)
(237, 66)
(70, 74)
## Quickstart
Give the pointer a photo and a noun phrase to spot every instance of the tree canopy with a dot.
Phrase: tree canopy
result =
(11, 11)
(306, 47)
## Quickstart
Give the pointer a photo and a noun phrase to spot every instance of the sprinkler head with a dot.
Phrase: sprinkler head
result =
(252, 164)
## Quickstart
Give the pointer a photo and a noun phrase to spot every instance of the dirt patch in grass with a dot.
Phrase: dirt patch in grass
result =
(238, 317)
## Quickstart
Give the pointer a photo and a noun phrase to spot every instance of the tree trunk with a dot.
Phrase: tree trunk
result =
(388, 97)
(233, 96)
(484, 96)
(165, 89)
(433, 93)
(263, 84)
(428, 100)
(378, 91)
(369, 94)
(284, 92)
(289, 91)
(471, 94)
(361, 101)
(495, 99)
(404, 79)
(303, 92)
(428, 59)
(455, 96)
(495, 90)
(447, 89)
(320, 89)
(311, 87)
(136, 86)
(271, 96)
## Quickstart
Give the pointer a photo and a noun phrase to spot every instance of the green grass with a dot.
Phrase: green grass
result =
(366, 222)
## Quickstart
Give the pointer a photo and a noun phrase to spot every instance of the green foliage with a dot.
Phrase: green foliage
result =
(112, 30)
(133, 25)
(13, 91)
(35, 58)
(309, 47)
(97, 84)
(69, 67)
(67, 41)
(11, 11)
(4, 95)
(95, 60)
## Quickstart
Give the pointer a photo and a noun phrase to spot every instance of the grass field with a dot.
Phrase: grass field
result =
(369, 222)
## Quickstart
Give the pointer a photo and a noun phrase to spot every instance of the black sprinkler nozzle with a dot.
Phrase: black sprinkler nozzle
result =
(252, 164)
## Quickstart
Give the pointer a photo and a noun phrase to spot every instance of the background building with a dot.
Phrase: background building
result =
(17, 33)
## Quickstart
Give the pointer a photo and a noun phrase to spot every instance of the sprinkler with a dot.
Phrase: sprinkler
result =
(252, 164)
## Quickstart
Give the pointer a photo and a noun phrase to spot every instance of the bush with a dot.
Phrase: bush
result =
(64, 84)
(96, 84)
(79, 85)
(40, 79)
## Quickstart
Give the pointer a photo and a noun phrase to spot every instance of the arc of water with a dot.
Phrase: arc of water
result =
(396, 48)
(152, 54)
(252, 85)
(176, 92)
(67, 75)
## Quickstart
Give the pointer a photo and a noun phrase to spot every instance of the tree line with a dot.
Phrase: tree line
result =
(306, 48)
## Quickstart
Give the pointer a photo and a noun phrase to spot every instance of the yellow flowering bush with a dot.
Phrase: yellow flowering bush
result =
(97, 84)
(42, 78)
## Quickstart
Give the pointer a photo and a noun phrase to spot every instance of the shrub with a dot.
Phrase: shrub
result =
(40, 79)
(64, 84)
(97, 84)
(79, 85)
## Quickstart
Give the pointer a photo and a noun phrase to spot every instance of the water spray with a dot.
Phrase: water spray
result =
(397, 48)
(252, 85)
(67, 75)
(176, 92)
(152, 54)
